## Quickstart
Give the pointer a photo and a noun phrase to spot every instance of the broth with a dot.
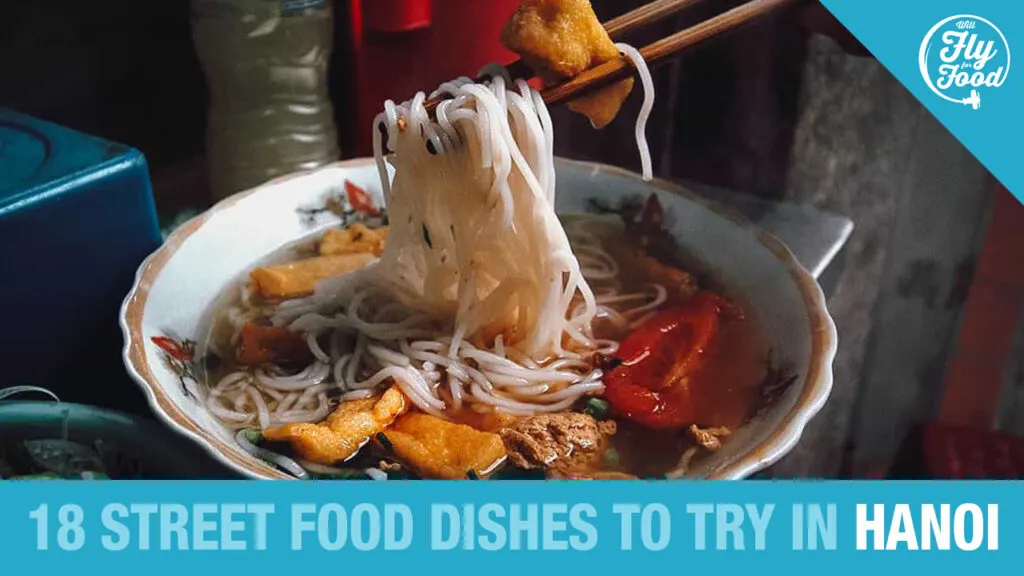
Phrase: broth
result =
(217, 335)
(738, 367)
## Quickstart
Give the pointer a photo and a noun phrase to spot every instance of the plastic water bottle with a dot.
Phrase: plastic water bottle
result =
(266, 68)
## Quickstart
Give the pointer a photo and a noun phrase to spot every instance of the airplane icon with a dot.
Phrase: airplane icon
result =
(974, 100)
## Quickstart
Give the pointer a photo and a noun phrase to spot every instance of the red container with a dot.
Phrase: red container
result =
(943, 452)
(403, 46)
(396, 15)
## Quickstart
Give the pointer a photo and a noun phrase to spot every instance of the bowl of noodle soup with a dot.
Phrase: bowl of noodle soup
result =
(196, 283)
(467, 306)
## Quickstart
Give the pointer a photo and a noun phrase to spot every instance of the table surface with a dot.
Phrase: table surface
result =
(815, 237)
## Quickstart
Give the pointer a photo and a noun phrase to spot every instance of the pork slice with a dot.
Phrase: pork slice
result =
(556, 440)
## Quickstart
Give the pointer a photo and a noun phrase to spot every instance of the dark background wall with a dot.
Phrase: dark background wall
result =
(771, 110)
(119, 69)
(126, 70)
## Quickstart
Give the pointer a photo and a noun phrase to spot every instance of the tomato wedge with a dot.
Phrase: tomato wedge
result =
(359, 200)
(655, 367)
(272, 344)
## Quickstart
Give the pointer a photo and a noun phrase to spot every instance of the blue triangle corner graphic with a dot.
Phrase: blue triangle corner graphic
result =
(956, 57)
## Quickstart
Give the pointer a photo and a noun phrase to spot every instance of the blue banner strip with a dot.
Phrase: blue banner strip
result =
(511, 527)
(955, 56)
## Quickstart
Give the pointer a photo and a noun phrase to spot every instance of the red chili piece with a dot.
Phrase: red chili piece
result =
(359, 200)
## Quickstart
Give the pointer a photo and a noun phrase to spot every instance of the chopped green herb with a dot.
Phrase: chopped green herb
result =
(253, 435)
(383, 439)
(598, 408)
(611, 458)
(426, 237)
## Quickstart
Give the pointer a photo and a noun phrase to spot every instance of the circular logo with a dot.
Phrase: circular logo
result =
(962, 56)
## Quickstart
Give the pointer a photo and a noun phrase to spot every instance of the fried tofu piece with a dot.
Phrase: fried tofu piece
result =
(299, 279)
(558, 39)
(272, 345)
(439, 449)
(490, 421)
(356, 239)
(345, 431)
(602, 106)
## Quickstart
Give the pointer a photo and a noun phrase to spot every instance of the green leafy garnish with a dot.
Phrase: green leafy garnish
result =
(253, 435)
(611, 458)
(599, 408)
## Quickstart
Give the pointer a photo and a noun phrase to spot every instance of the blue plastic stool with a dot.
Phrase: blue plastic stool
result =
(77, 218)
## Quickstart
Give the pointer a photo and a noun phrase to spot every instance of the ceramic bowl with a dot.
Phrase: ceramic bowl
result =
(177, 284)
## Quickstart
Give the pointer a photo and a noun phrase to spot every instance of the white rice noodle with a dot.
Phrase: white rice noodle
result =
(479, 300)
(634, 56)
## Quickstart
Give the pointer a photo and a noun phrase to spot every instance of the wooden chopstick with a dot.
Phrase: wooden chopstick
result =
(645, 16)
(617, 27)
(614, 70)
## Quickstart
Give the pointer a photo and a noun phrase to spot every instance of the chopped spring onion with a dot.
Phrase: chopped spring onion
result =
(598, 408)
(279, 460)
(611, 458)
(376, 474)
(472, 475)
(253, 435)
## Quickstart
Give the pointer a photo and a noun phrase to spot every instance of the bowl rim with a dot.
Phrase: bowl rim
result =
(816, 390)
